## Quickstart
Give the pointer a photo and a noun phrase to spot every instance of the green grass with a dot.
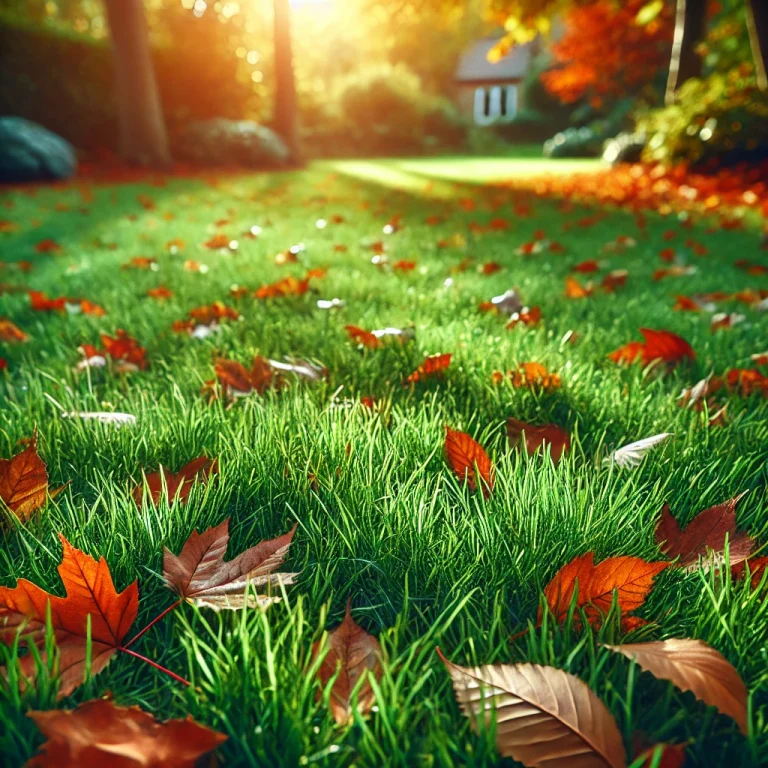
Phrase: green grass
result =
(425, 561)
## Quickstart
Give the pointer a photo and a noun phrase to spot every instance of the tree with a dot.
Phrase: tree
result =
(757, 24)
(285, 120)
(143, 139)
(605, 52)
(690, 28)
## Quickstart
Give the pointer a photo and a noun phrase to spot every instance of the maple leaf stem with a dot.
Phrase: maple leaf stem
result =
(151, 624)
(157, 666)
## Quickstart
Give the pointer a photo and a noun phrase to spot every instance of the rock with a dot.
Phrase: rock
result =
(29, 152)
(624, 148)
(231, 142)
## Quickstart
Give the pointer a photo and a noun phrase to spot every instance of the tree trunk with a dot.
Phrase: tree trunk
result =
(285, 118)
(690, 26)
(143, 138)
(757, 24)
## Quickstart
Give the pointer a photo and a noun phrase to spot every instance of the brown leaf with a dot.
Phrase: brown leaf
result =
(704, 537)
(468, 460)
(24, 482)
(90, 592)
(99, 733)
(629, 577)
(672, 756)
(201, 576)
(181, 482)
(544, 716)
(236, 379)
(757, 567)
(351, 652)
(693, 666)
(536, 437)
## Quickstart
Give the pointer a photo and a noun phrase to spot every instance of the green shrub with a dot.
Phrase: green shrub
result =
(381, 110)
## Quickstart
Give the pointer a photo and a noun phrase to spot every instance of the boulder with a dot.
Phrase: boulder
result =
(231, 142)
(29, 152)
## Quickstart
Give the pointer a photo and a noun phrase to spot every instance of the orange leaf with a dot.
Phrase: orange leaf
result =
(24, 482)
(432, 365)
(629, 577)
(234, 377)
(180, 482)
(756, 566)
(659, 345)
(536, 437)
(352, 652)
(98, 733)
(124, 349)
(361, 336)
(11, 333)
(575, 290)
(90, 592)
(468, 460)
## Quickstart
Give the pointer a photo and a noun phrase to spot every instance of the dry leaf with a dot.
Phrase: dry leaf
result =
(536, 437)
(10, 333)
(90, 592)
(352, 652)
(432, 365)
(179, 484)
(468, 460)
(704, 537)
(201, 576)
(24, 482)
(632, 454)
(693, 666)
(98, 733)
(629, 577)
(659, 345)
(544, 716)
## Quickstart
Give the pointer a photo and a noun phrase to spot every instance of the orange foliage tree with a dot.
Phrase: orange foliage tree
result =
(606, 53)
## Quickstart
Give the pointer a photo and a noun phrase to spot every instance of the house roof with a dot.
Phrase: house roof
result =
(474, 64)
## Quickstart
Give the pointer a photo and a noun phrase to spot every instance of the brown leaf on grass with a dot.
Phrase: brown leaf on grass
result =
(755, 566)
(469, 461)
(629, 577)
(432, 365)
(693, 666)
(544, 716)
(89, 592)
(536, 437)
(179, 484)
(671, 756)
(704, 537)
(238, 380)
(11, 333)
(352, 652)
(24, 482)
(201, 576)
(99, 733)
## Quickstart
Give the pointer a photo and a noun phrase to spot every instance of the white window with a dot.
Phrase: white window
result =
(495, 104)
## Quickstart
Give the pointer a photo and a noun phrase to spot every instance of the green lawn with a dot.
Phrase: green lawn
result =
(381, 519)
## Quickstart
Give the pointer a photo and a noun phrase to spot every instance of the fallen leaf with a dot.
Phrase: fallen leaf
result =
(361, 336)
(755, 566)
(201, 576)
(508, 302)
(536, 437)
(351, 653)
(178, 484)
(669, 756)
(125, 350)
(99, 733)
(659, 345)
(693, 666)
(10, 333)
(704, 537)
(527, 316)
(468, 460)
(238, 380)
(747, 380)
(24, 482)
(432, 365)
(534, 376)
(544, 716)
(90, 592)
(632, 454)
(575, 290)
(105, 417)
(629, 577)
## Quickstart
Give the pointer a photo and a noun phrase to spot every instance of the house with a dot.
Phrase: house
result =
(491, 92)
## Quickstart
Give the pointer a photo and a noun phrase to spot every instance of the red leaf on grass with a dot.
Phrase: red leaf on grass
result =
(433, 364)
(536, 437)
(181, 482)
(659, 345)
(468, 460)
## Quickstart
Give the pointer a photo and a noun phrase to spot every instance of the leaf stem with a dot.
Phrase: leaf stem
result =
(157, 666)
(151, 624)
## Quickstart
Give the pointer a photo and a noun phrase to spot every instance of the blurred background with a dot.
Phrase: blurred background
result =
(277, 82)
